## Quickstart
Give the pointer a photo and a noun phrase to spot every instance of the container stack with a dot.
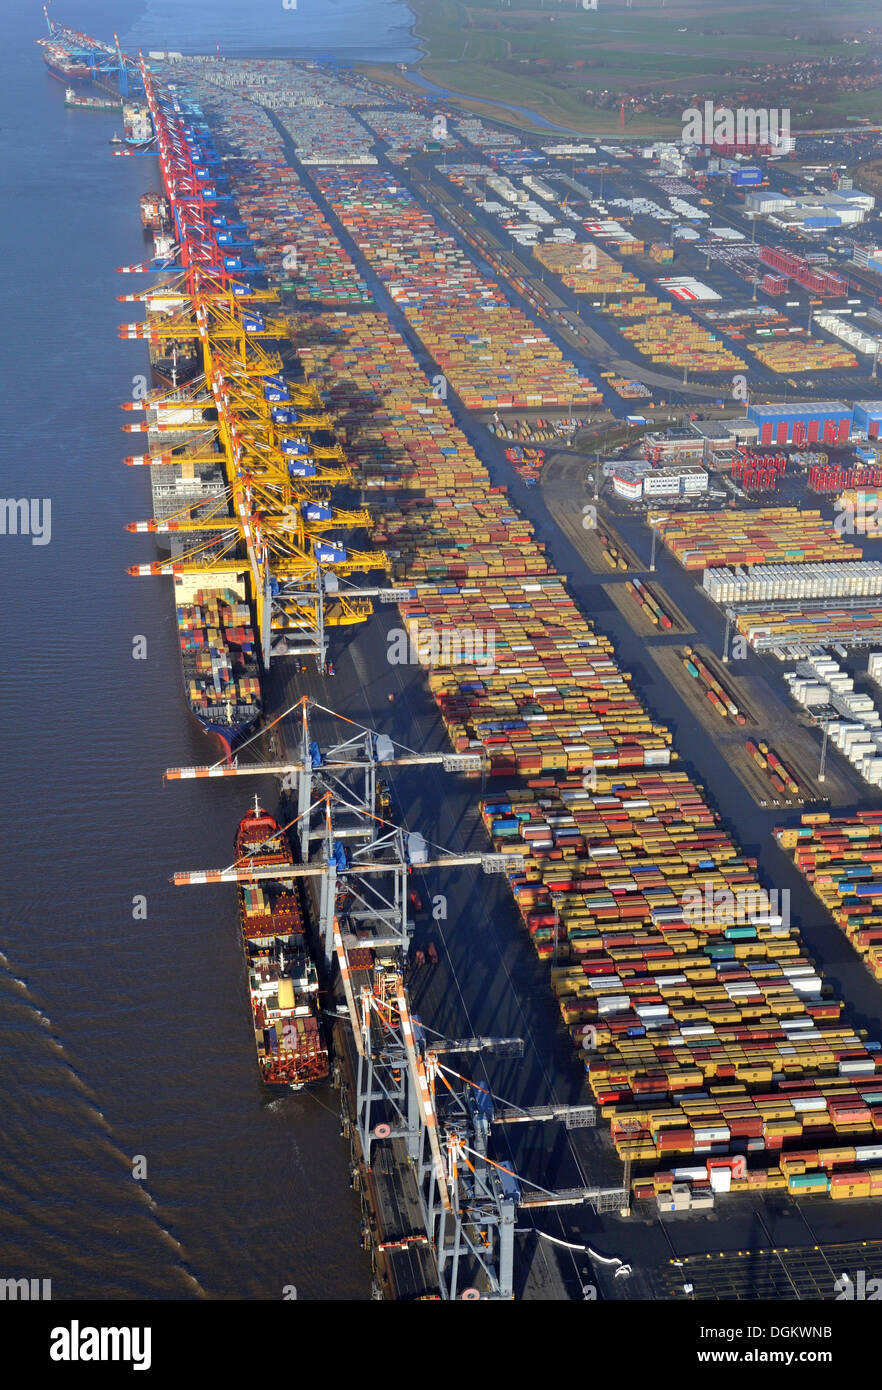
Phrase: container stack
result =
(400, 435)
(828, 580)
(781, 535)
(676, 340)
(295, 246)
(491, 353)
(841, 857)
(803, 354)
(855, 625)
(410, 131)
(218, 655)
(583, 267)
(710, 1042)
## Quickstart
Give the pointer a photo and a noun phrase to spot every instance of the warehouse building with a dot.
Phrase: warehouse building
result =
(721, 436)
(802, 422)
(867, 418)
(811, 210)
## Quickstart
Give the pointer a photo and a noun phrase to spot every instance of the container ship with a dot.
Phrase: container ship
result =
(90, 103)
(220, 665)
(62, 64)
(155, 212)
(282, 977)
(174, 361)
(137, 125)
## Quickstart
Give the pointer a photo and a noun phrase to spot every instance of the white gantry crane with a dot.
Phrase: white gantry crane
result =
(406, 1091)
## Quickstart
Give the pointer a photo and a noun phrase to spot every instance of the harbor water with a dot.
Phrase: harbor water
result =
(138, 1155)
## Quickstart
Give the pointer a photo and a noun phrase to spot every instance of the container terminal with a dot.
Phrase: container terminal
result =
(581, 973)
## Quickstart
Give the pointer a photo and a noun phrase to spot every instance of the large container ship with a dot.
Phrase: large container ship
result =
(220, 664)
(174, 361)
(282, 976)
(62, 64)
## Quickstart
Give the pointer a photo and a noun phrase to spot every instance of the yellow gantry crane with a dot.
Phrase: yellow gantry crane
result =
(244, 414)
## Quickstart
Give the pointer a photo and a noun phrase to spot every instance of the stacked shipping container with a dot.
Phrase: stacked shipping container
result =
(490, 352)
(703, 540)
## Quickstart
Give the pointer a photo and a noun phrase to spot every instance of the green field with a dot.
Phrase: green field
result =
(556, 59)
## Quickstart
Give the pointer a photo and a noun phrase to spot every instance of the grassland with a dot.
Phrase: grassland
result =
(525, 55)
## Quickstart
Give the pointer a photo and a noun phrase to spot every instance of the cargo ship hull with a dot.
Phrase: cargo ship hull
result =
(282, 978)
(66, 72)
(219, 665)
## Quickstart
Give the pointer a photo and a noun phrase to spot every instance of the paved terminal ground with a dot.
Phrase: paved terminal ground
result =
(489, 980)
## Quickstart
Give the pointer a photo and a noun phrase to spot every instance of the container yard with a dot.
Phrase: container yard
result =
(804, 354)
(492, 355)
(666, 986)
(673, 340)
(410, 130)
(292, 240)
(781, 535)
(576, 913)
(711, 1045)
(841, 857)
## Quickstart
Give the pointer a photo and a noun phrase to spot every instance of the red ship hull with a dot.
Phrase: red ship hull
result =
(283, 983)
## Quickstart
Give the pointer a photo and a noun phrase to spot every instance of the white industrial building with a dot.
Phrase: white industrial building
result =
(833, 579)
(845, 208)
(634, 482)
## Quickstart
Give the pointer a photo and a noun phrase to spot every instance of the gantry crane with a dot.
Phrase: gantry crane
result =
(406, 1091)
(355, 855)
(279, 478)
(279, 491)
(101, 63)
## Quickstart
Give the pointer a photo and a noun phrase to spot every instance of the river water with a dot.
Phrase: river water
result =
(125, 1038)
